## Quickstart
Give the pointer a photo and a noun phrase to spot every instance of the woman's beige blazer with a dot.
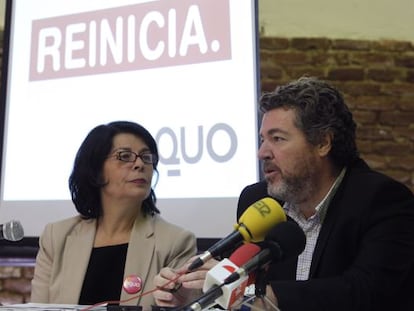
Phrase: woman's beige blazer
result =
(65, 247)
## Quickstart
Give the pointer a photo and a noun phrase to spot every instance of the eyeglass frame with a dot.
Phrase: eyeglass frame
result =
(154, 157)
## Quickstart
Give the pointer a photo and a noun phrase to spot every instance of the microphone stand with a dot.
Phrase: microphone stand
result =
(259, 302)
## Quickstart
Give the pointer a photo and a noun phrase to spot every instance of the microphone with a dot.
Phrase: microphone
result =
(284, 241)
(215, 291)
(11, 231)
(252, 226)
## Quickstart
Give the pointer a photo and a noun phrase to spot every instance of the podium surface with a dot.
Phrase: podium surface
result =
(50, 307)
(65, 307)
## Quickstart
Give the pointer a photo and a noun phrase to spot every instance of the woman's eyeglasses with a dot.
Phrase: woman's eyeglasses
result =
(130, 156)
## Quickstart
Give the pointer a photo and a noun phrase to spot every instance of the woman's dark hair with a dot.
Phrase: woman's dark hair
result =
(85, 181)
(320, 109)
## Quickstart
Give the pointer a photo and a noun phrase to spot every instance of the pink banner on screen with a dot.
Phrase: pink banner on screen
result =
(135, 37)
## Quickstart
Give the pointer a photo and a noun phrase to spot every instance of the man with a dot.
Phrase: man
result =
(359, 224)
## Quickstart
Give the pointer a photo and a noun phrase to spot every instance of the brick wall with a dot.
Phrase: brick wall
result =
(15, 284)
(377, 78)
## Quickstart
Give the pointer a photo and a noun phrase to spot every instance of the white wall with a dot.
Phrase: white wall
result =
(339, 19)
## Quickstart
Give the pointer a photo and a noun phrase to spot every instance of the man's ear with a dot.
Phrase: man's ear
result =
(326, 144)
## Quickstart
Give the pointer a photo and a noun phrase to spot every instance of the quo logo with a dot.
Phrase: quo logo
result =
(179, 145)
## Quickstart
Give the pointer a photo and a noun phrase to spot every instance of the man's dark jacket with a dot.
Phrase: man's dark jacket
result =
(364, 256)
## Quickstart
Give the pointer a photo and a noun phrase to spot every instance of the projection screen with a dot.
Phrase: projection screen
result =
(184, 69)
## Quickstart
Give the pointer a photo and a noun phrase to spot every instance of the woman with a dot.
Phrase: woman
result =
(118, 232)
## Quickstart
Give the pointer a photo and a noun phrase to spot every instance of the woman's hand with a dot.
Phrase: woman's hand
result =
(179, 287)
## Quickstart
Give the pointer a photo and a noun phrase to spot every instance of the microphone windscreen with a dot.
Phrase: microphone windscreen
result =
(251, 194)
(259, 218)
(234, 291)
(289, 237)
(217, 274)
(244, 253)
(13, 231)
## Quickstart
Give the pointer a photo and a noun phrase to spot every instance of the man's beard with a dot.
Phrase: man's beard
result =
(293, 188)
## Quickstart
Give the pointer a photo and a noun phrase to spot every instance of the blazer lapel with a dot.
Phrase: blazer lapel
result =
(340, 203)
(139, 256)
(331, 218)
(75, 260)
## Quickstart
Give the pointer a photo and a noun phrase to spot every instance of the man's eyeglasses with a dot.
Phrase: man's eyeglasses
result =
(130, 156)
